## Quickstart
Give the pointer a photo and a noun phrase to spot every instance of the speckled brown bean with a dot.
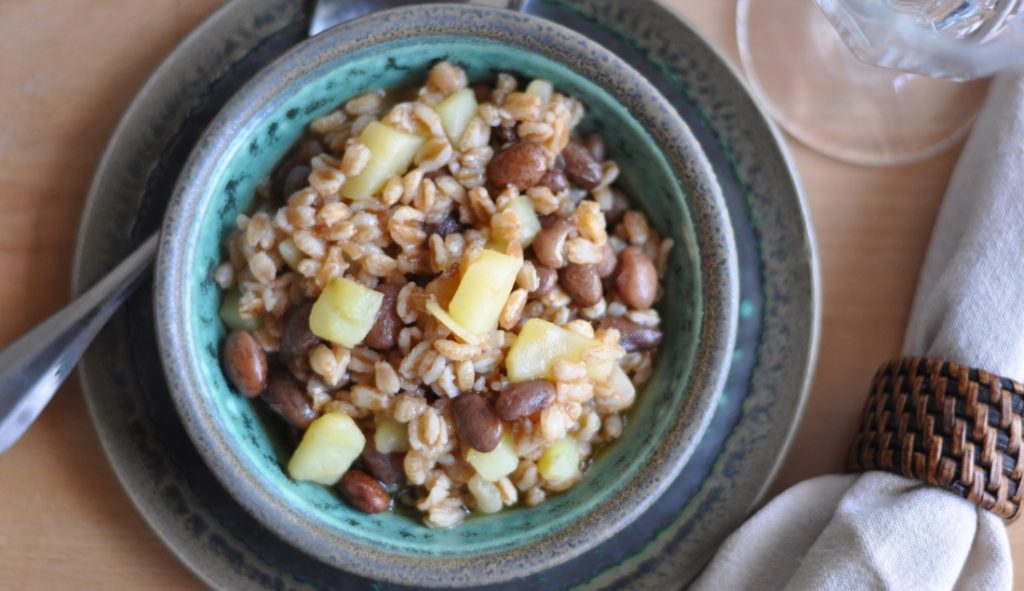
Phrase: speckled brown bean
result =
(595, 145)
(524, 399)
(547, 278)
(580, 166)
(245, 363)
(582, 283)
(637, 281)
(522, 165)
(549, 244)
(505, 134)
(287, 397)
(384, 333)
(555, 180)
(482, 92)
(385, 467)
(633, 336)
(475, 422)
(609, 261)
(307, 150)
(449, 224)
(297, 178)
(288, 178)
(297, 340)
(365, 493)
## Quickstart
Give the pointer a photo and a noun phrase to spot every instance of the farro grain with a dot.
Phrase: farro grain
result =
(544, 201)
(434, 154)
(357, 156)
(537, 132)
(553, 423)
(534, 496)
(513, 309)
(428, 119)
(583, 252)
(262, 267)
(224, 275)
(507, 490)
(326, 181)
(448, 514)
(386, 378)
(408, 407)
(329, 123)
(365, 104)
(446, 78)
(522, 106)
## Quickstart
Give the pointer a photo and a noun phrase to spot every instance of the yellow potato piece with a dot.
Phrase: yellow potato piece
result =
(483, 291)
(391, 152)
(231, 314)
(345, 312)
(560, 461)
(492, 465)
(328, 447)
(540, 344)
(527, 217)
(486, 493)
(456, 111)
(625, 391)
(390, 435)
(542, 89)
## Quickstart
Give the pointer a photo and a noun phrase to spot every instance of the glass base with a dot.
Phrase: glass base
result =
(814, 87)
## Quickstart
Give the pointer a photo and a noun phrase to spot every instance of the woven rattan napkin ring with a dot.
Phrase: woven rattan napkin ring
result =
(952, 426)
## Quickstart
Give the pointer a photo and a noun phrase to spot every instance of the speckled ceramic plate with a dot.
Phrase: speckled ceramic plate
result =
(740, 452)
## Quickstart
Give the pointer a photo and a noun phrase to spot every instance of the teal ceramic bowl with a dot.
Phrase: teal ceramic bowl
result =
(662, 165)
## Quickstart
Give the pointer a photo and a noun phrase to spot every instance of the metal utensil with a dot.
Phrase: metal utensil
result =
(33, 367)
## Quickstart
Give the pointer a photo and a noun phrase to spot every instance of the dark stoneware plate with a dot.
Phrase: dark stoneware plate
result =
(736, 460)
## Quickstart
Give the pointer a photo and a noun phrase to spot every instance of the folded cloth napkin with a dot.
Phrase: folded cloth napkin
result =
(878, 530)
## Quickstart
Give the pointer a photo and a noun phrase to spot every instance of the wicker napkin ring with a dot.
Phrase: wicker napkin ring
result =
(952, 426)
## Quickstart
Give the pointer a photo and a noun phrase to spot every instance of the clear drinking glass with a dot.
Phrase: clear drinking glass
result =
(877, 81)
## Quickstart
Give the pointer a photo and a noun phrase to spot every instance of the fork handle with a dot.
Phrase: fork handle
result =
(34, 366)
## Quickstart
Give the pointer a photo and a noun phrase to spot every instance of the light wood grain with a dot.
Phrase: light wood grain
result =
(68, 68)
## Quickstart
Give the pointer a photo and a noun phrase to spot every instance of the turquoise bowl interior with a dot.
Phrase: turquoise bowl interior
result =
(662, 169)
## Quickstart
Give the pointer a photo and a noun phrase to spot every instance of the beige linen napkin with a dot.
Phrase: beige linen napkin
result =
(878, 530)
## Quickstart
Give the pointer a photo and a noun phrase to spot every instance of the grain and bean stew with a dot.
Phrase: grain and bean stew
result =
(444, 294)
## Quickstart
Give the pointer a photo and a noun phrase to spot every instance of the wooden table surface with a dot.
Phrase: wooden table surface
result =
(68, 68)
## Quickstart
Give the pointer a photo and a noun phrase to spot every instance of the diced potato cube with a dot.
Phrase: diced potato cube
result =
(328, 447)
(540, 344)
(290, 253)
(543, 89)
(456, 111)
(231, 314)
(623, 392)
(460, 331)
(527, 217)
(492, 465)
(560, 461)
(390, 435)
(391, 152)
(486, 493)
(345, 312)
(483, 291)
